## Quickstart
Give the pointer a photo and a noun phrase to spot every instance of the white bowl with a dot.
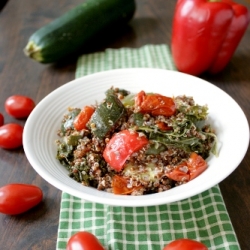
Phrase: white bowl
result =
(225, 115)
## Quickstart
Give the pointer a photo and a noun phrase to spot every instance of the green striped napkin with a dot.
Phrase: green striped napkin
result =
(202, 217)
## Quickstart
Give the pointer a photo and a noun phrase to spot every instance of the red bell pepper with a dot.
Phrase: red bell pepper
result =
(206, 33)
(121, 146)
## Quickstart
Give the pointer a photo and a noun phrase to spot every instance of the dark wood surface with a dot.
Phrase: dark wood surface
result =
(37, 228)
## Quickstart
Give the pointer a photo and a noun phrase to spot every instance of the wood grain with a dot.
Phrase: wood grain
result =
(37, 229)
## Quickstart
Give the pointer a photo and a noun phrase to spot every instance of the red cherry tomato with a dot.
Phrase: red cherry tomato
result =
(188, 170)
(154, 104)
(180, 173)
(196, 165)
(119, 185)
(1, 120)
(11, 136)
(17, 198)
(83, 117)
(121, 146)
(19, 106)
(84, 241)
(163, 126)
(185, 244)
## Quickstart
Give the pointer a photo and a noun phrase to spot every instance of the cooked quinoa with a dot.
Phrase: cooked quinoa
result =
(145, 170)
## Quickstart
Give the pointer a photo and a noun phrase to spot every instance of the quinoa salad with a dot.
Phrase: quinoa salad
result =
(136, 143)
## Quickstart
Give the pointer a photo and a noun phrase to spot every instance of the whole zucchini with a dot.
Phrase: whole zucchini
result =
(78, 28)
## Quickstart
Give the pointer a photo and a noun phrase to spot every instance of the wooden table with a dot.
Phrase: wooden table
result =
(37, 229)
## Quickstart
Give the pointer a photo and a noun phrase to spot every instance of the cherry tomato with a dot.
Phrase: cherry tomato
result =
(188, 170)
(84, 241)
(196, 165)
(119, 185)
(11, 136)
(16, 198)
(155, 104)
(83, 117)
(185, 244)
(1, 120)
(179, 173)
(163, 126)
(121, 146)
(19, 106)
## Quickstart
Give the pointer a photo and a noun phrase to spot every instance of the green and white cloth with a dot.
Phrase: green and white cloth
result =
(203, 217)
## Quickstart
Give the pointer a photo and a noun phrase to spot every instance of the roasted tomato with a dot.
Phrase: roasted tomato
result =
(163, 126)
(179, 173)
(121, 146)
(119, 185)
(196, 165)
(189, 169)
(155, 104)
(84, 241)
(83, 117)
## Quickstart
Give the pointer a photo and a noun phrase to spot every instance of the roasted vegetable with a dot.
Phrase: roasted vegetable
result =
(121, 146)
(68, 120)
(154, 104)
(81, 120)
(187, 129)
(107, 116)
